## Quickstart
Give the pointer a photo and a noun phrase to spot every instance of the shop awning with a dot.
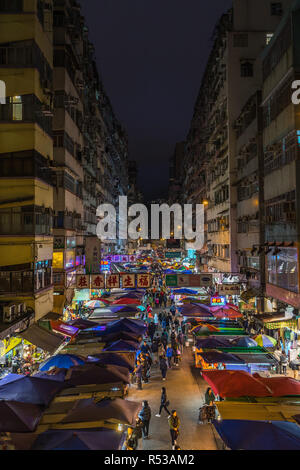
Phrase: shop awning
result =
(46, 340)
(259, 435)
(257, 411)
(64, 329)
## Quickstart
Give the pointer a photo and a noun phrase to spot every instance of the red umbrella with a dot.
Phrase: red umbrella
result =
(280, 386)
(227, 313)
(235, 383)
(126, 301)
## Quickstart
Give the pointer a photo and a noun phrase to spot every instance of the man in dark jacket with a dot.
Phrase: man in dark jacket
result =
(163, 367)
(145, 416)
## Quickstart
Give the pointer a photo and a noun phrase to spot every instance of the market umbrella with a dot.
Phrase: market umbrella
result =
(95, 304)
(259, 435)
(218, 357)
(212, 342)
(280, 386)
(227, 313)
(112, 359)
(235, 384)
(198, 328)
(265, 341)
(29, 389)
(83, 324)
(19, 417)
(185, 291)
(244, 342)
(116, 410)
(62, 361)
(79, 439)
(203, 331)
(96, 373)
(126, 324)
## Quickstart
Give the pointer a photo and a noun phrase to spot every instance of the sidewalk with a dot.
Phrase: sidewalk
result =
(185, 390)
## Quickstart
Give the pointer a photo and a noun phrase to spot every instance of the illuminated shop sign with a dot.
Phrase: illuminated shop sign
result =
(218, 301)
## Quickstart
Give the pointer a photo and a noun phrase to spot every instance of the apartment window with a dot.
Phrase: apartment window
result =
(246, 69)
(11, 6)
(17, 108)
(240, 40)
(276, 9)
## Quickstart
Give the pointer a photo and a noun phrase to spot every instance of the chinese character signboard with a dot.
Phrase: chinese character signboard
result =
(195, 280)
(183, 280)
(218, 301)
(128, 280)
(105, 265)
(173, 254)
(113, 281)
(124, 259)
(97, 281)
(171, 280)
(143, 280)
(131, 258)
(229, 289)
(82, 281)
(116, 258)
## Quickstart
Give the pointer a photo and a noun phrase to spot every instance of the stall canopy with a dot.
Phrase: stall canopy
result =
(122, 345)
(19, 417)
(79, 439)
(44, 339)
(118, 410)
(257, 411)
(215, 357)
(185, 291)
(259, 435)
(227, 383)
(243, 342)
(113, 359)
(29, 389)
(83, 324)
(212, 343)
(126, 324)
(280, 386)
(96, 373)
(62, 361)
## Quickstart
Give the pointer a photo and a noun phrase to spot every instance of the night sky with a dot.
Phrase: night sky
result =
(151, 55)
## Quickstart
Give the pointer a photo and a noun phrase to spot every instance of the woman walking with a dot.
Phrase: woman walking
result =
(174, 423)
(164, 403)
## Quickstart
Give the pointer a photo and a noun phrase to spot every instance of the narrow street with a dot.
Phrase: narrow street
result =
(185, 391)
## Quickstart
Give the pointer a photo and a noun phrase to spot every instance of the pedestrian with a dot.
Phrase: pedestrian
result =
(283, 362)
(145, 416)
(161, 349)
(155, 320)
(169, 355)
(174, 423)
(138, 373)
(145, 348)
(180, 341)
(164, 403)
(175, 354)
(209, 397)
(163, 367)
(164, 338)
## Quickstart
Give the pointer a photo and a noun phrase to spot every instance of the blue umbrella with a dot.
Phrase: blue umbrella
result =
(29, 389)
(62, 361)
(259, 435)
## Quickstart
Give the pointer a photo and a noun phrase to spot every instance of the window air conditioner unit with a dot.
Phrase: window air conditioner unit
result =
(9, 313)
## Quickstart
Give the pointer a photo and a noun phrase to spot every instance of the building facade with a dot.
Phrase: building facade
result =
(62, 153)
